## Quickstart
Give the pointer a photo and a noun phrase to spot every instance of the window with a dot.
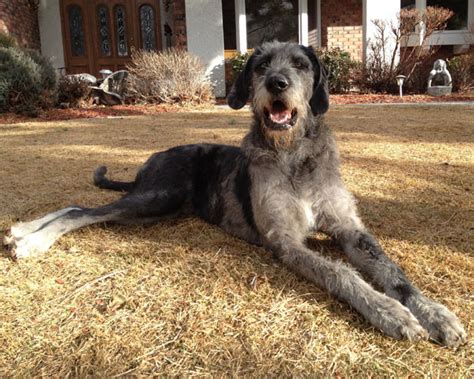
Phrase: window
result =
(271, 19)
(147, 27)
(122, 46)
(408, 4)
(104, 31)
(228, 12)
(459, 7)
(313, 23)
(76, 30)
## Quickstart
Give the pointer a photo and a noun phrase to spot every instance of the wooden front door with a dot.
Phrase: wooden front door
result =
(101, 34)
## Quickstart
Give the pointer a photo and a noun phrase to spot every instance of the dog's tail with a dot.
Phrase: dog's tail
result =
(102, 182)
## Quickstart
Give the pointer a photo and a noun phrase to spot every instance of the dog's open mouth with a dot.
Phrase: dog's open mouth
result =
(279, 117)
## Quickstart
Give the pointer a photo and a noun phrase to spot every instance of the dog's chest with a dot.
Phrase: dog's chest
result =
(307, 208)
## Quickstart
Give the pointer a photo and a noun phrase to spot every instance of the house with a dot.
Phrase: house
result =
(89, 35)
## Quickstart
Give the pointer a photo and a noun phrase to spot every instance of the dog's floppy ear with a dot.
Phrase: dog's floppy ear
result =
(240, 91)
(319, 101)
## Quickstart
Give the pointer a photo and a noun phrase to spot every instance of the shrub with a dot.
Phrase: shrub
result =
(27, 81)
(72, 91)
(462, 72)
(339, 65)
(237, 63)
(6, 40)
(48, 74)
(381, 68)
(172, 76)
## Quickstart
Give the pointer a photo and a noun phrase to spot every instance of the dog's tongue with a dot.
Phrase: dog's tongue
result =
(280, 116)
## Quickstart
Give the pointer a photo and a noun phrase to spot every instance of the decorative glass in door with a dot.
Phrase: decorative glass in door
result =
(76, 31)
(104, 31)
(121, 32)
(147, 27)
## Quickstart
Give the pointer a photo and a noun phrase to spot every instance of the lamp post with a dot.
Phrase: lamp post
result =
(400, 79)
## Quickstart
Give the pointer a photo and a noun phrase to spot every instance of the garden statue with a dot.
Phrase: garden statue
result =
(440, 72)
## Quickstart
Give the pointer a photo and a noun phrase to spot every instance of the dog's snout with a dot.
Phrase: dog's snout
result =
(277, 83)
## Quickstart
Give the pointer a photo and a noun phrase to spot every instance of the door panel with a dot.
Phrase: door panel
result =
(76, 36)
(148, 24)
(113, 33)
(101, 34)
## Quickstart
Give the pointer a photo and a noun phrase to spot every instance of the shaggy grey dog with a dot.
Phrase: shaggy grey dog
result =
(281, 185)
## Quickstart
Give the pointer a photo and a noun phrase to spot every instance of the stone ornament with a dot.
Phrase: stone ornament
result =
(440, 71)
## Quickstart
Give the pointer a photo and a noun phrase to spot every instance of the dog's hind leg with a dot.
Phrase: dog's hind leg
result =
(37, 236)
(23, 228)
(46, 230)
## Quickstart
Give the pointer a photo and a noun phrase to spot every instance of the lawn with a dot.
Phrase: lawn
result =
(183, 298)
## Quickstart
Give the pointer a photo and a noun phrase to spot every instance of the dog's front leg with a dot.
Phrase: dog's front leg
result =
(366, 254)
(282, 223)
(345, 283)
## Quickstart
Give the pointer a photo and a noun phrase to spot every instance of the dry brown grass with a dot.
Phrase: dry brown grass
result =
(184, 298)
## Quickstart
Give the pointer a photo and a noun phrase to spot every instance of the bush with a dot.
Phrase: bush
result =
(72, 91)
(6, 40)
(48, 74)
(462, 72)
(172, 76)
(339, 65)
(237, 63)
(27, 81)
(381, 68)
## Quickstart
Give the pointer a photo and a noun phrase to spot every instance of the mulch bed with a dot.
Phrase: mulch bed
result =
(390, 99)
(57, 114)
(135, 110)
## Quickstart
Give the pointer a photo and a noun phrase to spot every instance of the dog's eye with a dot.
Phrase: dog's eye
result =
(263, 65)
(299, 64)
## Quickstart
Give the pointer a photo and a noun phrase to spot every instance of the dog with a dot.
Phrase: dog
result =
(282, 184)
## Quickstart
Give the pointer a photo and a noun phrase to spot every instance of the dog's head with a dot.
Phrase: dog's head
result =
(287, 83)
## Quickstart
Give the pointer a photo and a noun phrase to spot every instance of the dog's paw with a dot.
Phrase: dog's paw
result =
(22, 246)
(398, 322)
(442, 325)
(20, 229)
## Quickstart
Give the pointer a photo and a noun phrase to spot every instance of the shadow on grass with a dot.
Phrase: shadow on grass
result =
(29, 161)
(420, 124)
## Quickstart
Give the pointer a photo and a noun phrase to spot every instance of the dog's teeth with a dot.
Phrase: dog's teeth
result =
(280, 117)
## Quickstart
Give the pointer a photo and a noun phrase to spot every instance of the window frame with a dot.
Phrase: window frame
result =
(445, 37)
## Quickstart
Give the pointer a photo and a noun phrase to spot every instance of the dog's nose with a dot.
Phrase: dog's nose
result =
(277, 83)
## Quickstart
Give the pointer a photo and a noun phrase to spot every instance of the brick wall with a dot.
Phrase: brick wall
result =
(341, 26)
(179, 23)
(20, 20)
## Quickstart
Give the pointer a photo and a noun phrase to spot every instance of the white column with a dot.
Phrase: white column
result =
(318, 16)
(241, 26)
(205, 38)
(420, 6)
(470, 18)
(51, 35)
(303, 22)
